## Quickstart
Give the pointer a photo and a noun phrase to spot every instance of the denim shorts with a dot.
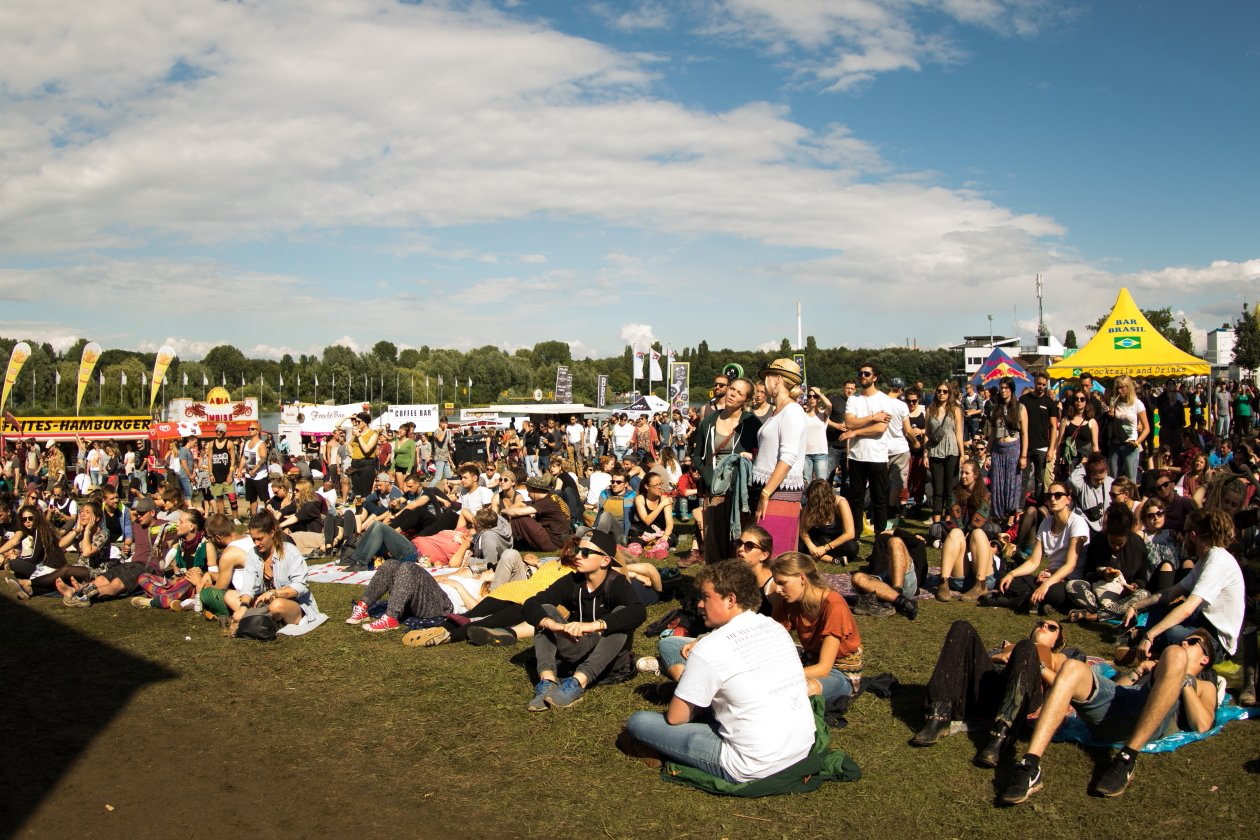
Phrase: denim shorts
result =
(909, 583)
(1111, 710)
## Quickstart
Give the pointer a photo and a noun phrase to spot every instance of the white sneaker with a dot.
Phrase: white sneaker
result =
(648, 665)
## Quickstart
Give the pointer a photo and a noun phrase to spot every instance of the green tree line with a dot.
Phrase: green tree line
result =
(384, 375)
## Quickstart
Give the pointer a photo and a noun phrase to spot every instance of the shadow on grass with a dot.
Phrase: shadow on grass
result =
(59, 690)
(908, 705)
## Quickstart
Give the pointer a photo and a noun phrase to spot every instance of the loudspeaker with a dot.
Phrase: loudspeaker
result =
(470, 449)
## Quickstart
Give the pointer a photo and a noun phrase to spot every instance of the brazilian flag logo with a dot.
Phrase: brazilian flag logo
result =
(1127, 342)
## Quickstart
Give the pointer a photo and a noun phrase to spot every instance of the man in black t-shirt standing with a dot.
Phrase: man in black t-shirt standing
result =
(1043, 428)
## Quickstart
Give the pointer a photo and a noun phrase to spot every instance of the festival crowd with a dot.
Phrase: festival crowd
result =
(1133, 505)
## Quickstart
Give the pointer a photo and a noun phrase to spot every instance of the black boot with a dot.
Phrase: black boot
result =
(907, 607)
(935, 727)
(991, 753)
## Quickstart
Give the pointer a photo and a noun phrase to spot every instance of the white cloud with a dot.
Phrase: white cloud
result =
(638, 336)
(646, 14)
(850, 42)
(533, 259)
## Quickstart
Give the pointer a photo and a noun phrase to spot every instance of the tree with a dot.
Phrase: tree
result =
(1070, 339)
(409, 358)
(548, 353)
(1182, 338)
(1247, 340)
(386, 351)
(226, 361)
(785, 348)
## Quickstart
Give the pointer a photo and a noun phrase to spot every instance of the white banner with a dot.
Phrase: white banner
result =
(181, 410)
(317, 419)
(424, 416)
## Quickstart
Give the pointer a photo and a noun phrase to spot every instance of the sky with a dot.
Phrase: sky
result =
(290, 174)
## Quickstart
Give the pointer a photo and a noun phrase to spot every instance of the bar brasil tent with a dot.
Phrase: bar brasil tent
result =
(999, 364)
(1128, 344)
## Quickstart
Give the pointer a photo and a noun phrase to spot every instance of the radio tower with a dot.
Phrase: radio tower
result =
(1041, 314)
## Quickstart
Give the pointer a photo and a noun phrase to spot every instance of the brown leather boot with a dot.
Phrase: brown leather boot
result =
(943, 593)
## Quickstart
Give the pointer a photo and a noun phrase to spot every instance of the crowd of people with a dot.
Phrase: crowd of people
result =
(1059, 503)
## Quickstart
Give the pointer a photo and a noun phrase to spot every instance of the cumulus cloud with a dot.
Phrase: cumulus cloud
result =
(138, 140)
(637, 336)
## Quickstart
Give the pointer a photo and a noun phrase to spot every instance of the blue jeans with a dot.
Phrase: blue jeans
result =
(378, 537)
(1124, 458)
(669, 650)
(442, 469)
(695, 744)
(836, 684)
(816, 466)
(531, 465)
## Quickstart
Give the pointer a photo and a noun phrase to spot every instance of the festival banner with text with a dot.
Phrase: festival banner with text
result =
(21, 352)
(165, 356)
(91, 354)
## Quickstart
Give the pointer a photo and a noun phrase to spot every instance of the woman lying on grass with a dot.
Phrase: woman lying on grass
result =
(1004, 685)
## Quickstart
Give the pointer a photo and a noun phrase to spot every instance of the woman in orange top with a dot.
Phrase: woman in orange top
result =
(823, 624)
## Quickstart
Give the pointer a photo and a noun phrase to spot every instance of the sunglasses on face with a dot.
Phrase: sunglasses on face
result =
(942, 391)
(590, 552)
(28, 519)
(1049, 625)
(1194, 640)
(1115, 496)
(1057, 494)
(1081, 399)
(866, 373)
(749, 545)
(912, 402)
(1163, 485)
(1154, 514)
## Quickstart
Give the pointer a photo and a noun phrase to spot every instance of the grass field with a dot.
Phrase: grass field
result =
(128, 723)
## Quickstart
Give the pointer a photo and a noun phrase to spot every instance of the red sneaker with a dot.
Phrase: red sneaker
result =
(382, 624)
(358, 614)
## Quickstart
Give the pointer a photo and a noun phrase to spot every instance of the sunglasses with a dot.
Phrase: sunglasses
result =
(749, 545)
(1081, 399)
(1049, 625)
(1154, 514)
(1162, 485)
(28, 519)
(1115, 496)
(912, 402)
(1057, 494)
(616, 481)
(590, 552)
(1194, 640)
(942, 391)
(866, 373)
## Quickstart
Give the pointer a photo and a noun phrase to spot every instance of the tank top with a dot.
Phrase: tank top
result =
(254, 466)
(942, 436)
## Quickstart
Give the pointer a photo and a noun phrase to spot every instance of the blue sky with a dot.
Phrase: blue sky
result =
(288, 175)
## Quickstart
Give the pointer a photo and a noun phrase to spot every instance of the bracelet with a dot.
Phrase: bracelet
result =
(765, 494)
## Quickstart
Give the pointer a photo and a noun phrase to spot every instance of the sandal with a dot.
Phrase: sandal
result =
(427, 637)
(1077, 615)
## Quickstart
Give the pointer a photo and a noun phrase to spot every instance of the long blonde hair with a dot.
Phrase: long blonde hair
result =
(1123, 379)
(791, 563)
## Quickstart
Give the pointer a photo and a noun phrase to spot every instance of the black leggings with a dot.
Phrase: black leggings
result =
(1022, 587)
(47, 583)
(979, 689)
(944, 471)
(490, 612)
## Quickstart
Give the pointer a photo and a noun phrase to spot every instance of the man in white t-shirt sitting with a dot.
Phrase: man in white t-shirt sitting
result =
(473, 495)
(741, 710)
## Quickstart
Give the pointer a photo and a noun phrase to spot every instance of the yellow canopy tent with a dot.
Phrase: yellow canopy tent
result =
(1128, 344)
